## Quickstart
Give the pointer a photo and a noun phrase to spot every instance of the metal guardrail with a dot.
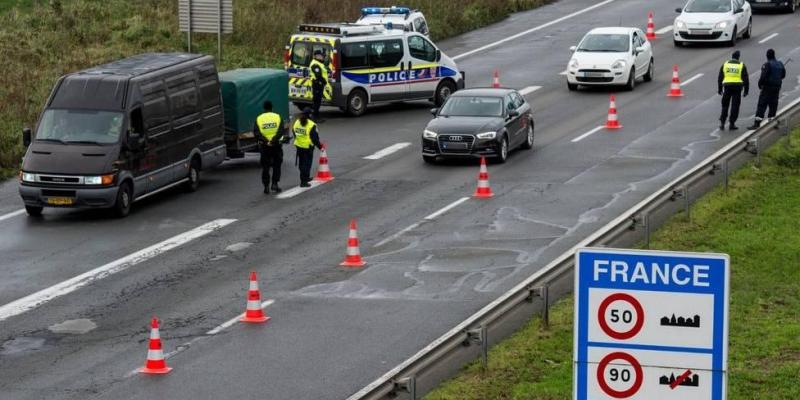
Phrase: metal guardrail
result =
(443, 357)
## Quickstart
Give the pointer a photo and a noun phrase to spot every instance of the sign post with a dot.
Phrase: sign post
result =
(206, 16)
(650, 325)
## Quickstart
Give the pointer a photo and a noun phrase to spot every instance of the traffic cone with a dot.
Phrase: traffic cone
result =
(675, 86)
(254, 313)
(483, 191)
(155, 364)
(496, 79)
(613, 119)
(651, 27)
(353, 257)
(324, 171)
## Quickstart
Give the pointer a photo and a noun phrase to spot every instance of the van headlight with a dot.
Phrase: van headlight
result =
(487, 135)
(428, 134)
(721, 25)
(99, 180)
(28, 177)
(619, 64)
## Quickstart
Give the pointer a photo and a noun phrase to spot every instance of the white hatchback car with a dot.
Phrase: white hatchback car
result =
(721, 21)
(611, 56)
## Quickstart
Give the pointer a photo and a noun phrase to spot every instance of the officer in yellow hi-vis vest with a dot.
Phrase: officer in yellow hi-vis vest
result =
(306, 137)
(269, 132)
(733, 78)
(320, 85)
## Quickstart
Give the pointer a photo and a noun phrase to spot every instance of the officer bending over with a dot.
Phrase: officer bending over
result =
(731, 81)
(772, 74)
(269, 131)
(306, 137)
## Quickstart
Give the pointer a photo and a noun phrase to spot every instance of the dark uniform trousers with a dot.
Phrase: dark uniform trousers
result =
(768, 99)
(305, 158)
(317, 92)
(271, 158)
(731, 99)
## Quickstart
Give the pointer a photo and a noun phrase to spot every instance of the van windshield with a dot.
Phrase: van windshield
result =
(80, 126)
(303, 52)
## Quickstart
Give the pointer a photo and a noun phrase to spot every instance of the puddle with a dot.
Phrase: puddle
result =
(74, 327)
(21, 344)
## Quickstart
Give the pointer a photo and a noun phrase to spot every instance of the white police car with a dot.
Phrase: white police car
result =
(395, 17)
(370, 64)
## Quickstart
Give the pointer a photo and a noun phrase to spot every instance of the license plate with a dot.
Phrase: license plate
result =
(298, 91)
(699, 32)
(454, 146)
(60, 201)
(593, 74)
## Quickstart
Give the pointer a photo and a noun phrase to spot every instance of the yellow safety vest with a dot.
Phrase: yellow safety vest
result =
(268, 124)
(732, 71)
(327, 92)
(302, 134)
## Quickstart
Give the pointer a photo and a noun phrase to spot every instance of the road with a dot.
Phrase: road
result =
(334, 330)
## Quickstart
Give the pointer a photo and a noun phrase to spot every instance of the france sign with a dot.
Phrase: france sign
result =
(650, 325)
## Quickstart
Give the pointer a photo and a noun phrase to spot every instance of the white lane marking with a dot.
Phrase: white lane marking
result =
(398, 234)
(581, 137)
(764, 40)
(446, 209)
(664, 30)
(389, 150)
(34, 300)
(528, 90)
(534, 29)
(12, 214)
(564, 72)
(288, 194)
(692, 79)
(232, 321)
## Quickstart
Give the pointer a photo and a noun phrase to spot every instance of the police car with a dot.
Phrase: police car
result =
(400, 17)
(370, 64)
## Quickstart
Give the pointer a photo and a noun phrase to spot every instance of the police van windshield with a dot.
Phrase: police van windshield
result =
(472, 106)
(303, 52)
(708, 6)
(611, 43)
(80, 126)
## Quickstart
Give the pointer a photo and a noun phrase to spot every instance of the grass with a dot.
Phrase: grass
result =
(756, 223)
(43, 39)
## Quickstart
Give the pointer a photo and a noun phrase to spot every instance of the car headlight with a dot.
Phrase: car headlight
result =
(487, 135)
(99, 180)
(428, 134)
(619, 64)
(573, 63)
(680, 24)
(721, 25)
(28, 177)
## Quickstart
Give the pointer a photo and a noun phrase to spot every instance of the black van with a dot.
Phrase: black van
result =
(123, 131)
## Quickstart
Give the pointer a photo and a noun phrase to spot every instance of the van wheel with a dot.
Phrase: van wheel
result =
(34, 211)
(444, 91)
(124, 200)
(357, 103)
(194, 177)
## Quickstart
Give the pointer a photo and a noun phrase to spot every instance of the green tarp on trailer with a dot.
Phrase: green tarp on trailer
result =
(243, 94)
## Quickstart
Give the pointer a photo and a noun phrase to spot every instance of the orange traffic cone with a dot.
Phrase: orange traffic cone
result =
(496, 79)
(675, 86)
(353, 257)
(324, 171)
(155, 364)
(651, 27)
(483, 191)
(254, 313)
(613, 119)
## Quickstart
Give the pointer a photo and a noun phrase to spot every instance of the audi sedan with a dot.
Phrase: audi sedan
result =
(479, 122)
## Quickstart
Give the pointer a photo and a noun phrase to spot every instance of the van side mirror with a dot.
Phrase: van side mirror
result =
(438, 55)
(27, 137)
(434, 111)
(573, 48)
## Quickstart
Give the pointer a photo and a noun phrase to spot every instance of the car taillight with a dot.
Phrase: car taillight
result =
(286, 57)
(335, 65)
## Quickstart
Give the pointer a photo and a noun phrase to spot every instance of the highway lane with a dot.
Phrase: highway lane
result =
(423, 282)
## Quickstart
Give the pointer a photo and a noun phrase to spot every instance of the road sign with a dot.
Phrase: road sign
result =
(650, 325)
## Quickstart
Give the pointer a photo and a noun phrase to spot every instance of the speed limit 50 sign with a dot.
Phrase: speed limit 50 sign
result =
(650, 325)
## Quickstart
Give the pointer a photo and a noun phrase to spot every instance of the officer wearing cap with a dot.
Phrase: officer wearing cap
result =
(306, 137)
(319, 81)
(732, 80)
(269, 132)
(772, 74)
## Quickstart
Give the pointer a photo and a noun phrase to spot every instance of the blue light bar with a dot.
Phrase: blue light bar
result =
(385, 10)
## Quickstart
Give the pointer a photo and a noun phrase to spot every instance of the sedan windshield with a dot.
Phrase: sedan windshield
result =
(80, 126)
(708, 6)
(473, 106)
(605, 43)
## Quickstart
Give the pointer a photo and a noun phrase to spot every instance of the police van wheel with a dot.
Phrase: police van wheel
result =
(122, 207)
(34, 211)
(444, 91)
(357, 103)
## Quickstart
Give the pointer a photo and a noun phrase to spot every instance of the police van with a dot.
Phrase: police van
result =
(369, 64)
(399, 17)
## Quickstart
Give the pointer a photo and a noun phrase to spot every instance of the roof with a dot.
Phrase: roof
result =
(141, 64)
(621, 30)
(483, 92)
(342, 30)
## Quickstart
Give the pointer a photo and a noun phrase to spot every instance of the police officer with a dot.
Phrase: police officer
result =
(732, 80)
(319, 81)
(269, 132)
(306, 137)
(772, 74)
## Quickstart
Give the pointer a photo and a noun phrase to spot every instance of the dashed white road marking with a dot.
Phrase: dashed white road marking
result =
(585, 135)
(692, 79)
(446, 209)
(287, 194)
(534, 29)
(43, 296)
(398, 234)
(227, 324)
(528, 90)
(11, 214)
(389, 150)
(664, 30)
(416, 225)
(564, 72)
(764, 40)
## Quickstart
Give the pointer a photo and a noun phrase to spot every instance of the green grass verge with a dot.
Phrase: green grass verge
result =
(756, 222)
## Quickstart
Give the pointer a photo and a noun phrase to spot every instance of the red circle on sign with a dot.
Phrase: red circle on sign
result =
(601, 375)
(601, 316)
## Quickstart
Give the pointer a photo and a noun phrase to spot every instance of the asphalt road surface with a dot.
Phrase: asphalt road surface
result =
(186, 257)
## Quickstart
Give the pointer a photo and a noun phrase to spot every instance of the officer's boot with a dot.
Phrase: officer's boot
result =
(276, 188)
(756, 124)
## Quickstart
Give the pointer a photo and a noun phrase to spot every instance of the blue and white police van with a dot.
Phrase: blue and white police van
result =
(400, 17)
(370, 64)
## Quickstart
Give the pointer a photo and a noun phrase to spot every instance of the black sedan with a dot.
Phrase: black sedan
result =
(479, 122)
(786, 5)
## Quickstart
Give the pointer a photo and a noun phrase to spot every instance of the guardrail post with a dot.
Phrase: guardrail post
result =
(543, 293)
(480, 336)
(686, 204)
(408, 384)
(786, 131)
(726, 173)
(646, 224)
(754, 147)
